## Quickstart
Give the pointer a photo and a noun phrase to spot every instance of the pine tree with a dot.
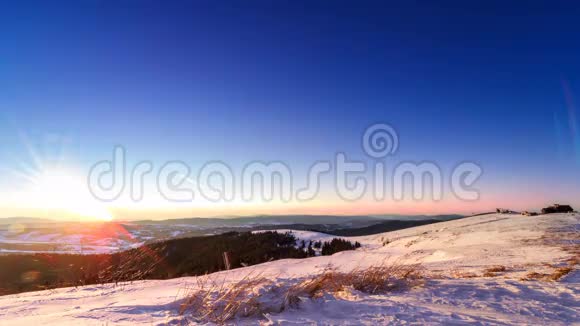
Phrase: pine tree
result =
(311, 252)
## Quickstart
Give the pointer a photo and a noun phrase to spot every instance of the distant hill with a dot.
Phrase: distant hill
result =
(25, 220)
(248, 221)
(382, 227)
(345, 221)
(442, 217)
(264, 219)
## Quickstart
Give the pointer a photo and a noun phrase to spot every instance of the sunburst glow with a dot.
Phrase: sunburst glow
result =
(62, 190)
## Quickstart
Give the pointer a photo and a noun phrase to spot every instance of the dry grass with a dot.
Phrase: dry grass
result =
(574, 260)
(371, 280)
(461, 274)
(219, 302)
(534, 276)
(555, 276)
(385, 241)
(381, 279)
(410, 243)
(496, 269)
(560, 272)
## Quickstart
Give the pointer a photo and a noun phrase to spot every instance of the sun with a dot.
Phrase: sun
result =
(63, 190)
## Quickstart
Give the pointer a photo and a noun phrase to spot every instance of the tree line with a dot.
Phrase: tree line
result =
(160, 260)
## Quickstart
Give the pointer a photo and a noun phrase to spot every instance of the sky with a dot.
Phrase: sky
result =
(495, 83)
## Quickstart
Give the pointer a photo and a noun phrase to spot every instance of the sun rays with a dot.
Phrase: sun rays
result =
(48, 186)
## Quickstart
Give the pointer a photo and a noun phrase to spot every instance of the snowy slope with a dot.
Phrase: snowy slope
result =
(455, 255)
(305, 235)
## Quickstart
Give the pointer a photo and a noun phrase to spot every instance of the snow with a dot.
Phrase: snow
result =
(449, 251)
(449, 303)
(305, 235)
(68, 240)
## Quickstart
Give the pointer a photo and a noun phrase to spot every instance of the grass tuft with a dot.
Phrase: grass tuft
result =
(559, 273)
(254, 295)
(496, 269)
(555, 276)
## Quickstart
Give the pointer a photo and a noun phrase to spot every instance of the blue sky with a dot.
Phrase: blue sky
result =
(297, 81)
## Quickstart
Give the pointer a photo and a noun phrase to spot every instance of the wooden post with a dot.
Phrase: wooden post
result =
(227, 260)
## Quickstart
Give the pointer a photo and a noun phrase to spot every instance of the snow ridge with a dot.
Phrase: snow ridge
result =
(457, 256)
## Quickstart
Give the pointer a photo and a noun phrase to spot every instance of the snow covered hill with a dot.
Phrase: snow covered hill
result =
(491, 269)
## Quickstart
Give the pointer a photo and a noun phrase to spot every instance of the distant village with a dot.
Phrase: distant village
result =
(556, 208)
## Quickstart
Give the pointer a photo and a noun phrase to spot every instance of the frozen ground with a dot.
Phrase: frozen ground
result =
(456, 256)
